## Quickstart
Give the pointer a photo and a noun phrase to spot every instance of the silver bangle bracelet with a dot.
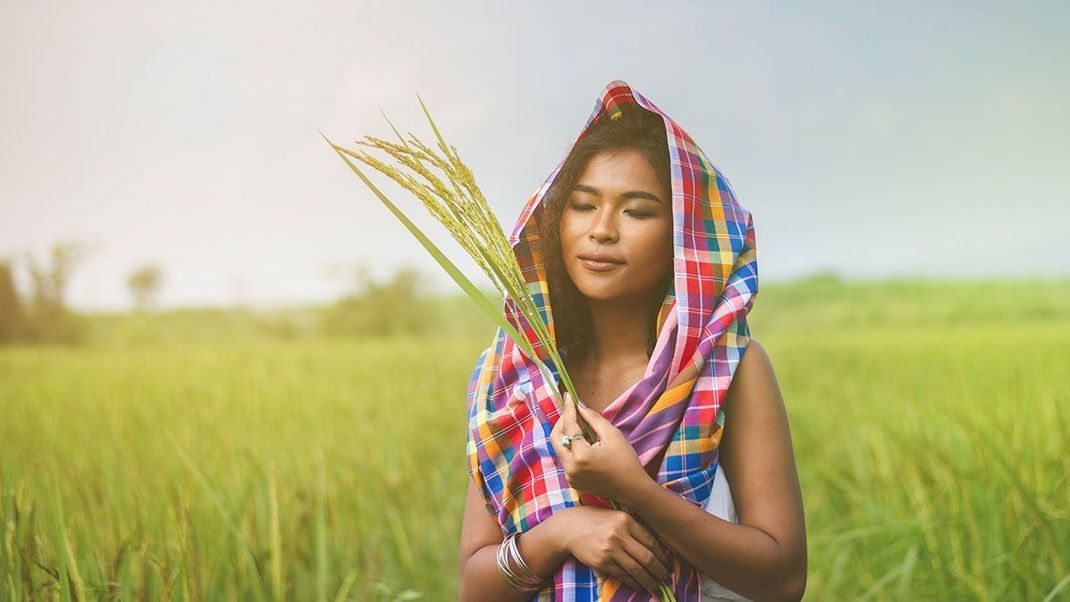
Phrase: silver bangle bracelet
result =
(513, 569)
(506, 572)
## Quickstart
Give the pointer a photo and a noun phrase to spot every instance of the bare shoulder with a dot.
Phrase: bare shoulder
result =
(756, 428)
(753, 343)
(755, 370)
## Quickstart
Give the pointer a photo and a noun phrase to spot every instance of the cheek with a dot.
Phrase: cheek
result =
(652, 256)
(654, 243)
(567, 230)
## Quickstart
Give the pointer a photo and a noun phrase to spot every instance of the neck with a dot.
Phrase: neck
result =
(619, 330)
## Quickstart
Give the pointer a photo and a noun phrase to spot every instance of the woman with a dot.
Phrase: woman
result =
(648, 270)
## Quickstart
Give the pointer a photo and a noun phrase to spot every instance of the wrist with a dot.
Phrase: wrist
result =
(513, 568)
(636, 496)
(563, 529)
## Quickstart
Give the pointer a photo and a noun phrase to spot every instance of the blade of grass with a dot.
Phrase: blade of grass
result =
(347, 584)
(1058, 588)
(203, 482)
(276, 538)
(321, 531)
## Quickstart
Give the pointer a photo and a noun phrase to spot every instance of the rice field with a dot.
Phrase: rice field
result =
(931, 424)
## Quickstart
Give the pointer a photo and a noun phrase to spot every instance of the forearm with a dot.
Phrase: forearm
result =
(544, 547)
(744, 559)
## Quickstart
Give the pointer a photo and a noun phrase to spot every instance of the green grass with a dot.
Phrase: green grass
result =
(930, 422)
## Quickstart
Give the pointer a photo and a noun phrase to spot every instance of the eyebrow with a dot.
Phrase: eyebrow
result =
(631, 194)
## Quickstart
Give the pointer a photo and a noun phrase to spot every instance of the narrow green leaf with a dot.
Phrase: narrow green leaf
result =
(218, 502)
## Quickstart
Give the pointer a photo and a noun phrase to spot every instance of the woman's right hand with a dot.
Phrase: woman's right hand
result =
(612, 541)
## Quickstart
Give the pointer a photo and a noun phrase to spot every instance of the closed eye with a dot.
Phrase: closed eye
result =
(632, 212)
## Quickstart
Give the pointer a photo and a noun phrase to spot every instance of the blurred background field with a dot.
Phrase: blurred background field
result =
(300, 453)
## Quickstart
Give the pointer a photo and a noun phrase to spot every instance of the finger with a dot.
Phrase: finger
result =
(593, 436)
(652, 568)
(568, 416)
(648, 560)
(650, 542)
(579, 441)
(564, 455)
(559, 428)
(601, 425)
(555, 442)
(617, 570)
(635, 567)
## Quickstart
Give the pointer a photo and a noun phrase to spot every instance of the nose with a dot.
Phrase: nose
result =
(603, 227)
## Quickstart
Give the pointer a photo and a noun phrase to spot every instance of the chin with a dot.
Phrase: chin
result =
(594, 290)
(596, 294)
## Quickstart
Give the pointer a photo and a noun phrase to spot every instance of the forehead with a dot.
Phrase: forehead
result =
(619, 168)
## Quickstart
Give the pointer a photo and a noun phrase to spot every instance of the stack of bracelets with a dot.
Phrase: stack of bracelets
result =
(513, 569)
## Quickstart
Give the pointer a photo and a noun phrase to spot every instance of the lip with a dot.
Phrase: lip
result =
(599, 262)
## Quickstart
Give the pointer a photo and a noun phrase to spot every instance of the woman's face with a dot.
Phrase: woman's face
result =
(618, 208)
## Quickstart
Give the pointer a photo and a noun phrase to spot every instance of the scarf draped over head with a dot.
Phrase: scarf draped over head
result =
(674, 412)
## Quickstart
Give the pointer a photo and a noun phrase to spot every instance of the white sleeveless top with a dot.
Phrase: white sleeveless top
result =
(721, 506)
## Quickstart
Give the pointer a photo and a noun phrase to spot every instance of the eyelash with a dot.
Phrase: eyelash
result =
(635, 214)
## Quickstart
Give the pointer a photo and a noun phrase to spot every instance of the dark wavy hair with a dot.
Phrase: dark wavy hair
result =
(636, 129)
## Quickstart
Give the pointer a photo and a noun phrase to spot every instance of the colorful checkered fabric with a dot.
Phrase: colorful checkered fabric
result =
(676, 407)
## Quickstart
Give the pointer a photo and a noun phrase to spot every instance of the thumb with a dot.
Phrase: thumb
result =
(598, 422)
(568, 410)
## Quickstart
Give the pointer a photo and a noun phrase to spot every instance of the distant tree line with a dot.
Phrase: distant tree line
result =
(400, 305)
(42, 315)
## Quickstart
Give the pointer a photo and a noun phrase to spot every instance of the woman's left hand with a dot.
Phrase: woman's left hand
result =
(608, 467)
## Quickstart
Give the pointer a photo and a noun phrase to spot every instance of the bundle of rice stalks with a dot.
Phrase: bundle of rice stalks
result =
(448, 190)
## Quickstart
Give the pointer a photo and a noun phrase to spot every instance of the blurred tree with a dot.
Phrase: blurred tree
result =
(12, 318)
(50, 320)
(144, 284)
(398, 306)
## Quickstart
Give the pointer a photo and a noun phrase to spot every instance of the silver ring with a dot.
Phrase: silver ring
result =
(566, 441)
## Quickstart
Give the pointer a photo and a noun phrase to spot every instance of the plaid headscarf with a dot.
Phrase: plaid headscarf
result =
(701, 332)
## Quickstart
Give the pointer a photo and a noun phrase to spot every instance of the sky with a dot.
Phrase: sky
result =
(875, 139)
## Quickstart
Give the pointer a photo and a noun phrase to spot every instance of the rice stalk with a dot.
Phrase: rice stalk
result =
(456, 201)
